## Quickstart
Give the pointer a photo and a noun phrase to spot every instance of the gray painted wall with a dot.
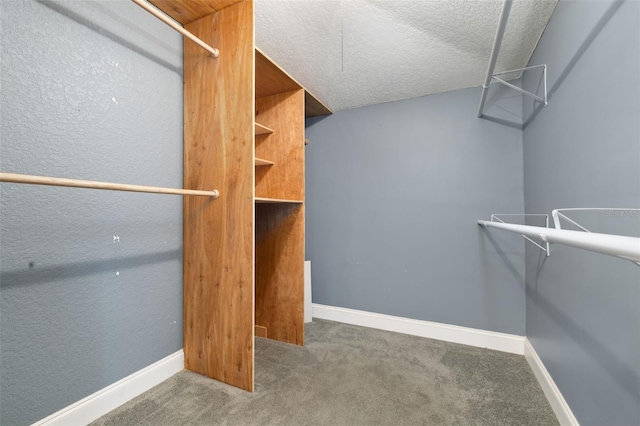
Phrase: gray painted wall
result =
(393, 193)
(89, 91)
(583, 150)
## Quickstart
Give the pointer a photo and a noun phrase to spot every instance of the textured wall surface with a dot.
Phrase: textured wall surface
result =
(393, 195)
(89, 91)
(357, 53)
(583, 150)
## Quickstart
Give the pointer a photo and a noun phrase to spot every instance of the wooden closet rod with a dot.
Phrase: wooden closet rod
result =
(75, 183)
(173, 24)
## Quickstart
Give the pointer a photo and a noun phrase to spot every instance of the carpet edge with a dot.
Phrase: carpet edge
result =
(503, 342)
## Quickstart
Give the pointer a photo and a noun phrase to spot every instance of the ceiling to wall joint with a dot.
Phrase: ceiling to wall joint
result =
(394, 49)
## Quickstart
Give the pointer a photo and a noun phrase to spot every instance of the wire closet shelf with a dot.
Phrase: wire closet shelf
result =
(622, 246)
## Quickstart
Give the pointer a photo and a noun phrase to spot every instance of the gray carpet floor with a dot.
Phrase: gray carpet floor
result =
(349, 375)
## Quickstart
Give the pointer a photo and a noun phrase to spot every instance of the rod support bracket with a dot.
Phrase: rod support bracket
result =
(546, 248)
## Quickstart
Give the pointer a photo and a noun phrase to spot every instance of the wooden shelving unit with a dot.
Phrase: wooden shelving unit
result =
(244, 252)
(279, 208)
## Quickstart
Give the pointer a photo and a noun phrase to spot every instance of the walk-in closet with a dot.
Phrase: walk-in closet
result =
(319, 212)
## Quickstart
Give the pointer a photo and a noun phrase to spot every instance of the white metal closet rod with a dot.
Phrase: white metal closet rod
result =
(75, 183)
(502, 25)
(613, 245)
(173, 24)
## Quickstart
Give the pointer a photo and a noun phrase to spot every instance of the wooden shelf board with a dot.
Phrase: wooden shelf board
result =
(261, 162)
(263, 200)
(271, 79)
(313, 107)
(262, 130)
(187, 11)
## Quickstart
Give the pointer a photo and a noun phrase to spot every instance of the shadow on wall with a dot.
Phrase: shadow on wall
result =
(495, 97)
(605, 357)
(313, 120)
(494, 101)
(504, 105)
(505, 259)
(82, 20)
(35, 275)
(602, 22)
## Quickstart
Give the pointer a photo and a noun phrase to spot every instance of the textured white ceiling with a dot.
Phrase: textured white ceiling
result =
(352, 53)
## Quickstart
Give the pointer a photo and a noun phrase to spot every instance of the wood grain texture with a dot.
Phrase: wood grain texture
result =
(262, 130)
(219, 235)
(187, 11)
(261, 331)
(271, 79)
(285, 146)
(280, 270)
(313, 107)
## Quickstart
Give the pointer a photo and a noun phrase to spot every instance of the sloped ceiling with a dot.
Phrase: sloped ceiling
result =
(363, 52)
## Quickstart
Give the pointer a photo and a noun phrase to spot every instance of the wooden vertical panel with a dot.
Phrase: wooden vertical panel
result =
(219, 235)
(280, 271)
(284, 113)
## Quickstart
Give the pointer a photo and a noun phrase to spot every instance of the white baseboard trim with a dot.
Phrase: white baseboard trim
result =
(450, 333)
(100, 403)
(556, 400)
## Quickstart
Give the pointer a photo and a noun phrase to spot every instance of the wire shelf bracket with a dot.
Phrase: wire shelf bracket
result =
(621, 246)
(557, 215)
(545, 248)
(524, 92)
